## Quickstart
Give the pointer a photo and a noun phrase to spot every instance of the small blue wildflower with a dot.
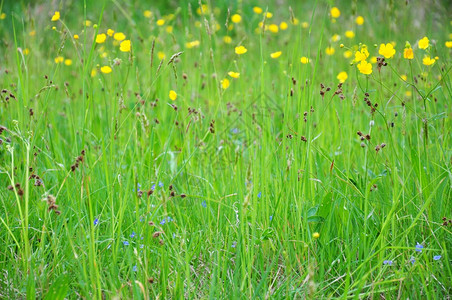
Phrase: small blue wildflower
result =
(419, 247)
(126, 243)
(153, 187)
(138, 187)
(204, 204)
(437, 257)
(134, 268)
(259, 195)
(163, 222)
(271, 218)
(235, 130)
(96, 221)
(387, 262)
(234, 244)
(142, 246)
(169, 219)
(412, 260)
(160, 184)
(133, 234)
(141, 219)
(174, 235)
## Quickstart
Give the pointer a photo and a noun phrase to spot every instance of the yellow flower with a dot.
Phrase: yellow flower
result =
(93, 72)
(269, 15)
(350, 34)
(373, 60)
(225, 83)
(449, 44)
(407, 94)
(161, 55)
(348, 54)
(234, 74)
(329, 50)
(240, 50)
(53, 28)
(76, 37)
(283, 25)
(26, 51)
(408, 53)
(365, 68)
(404, 77)
(169, 29)
(342, 76)
(335, 37)
(428, 61)
(110, 32)
(172, 95)
(273, 28)
(236, 18)
(316, 235)
(304, 60)
(119, 36)
(125, 46)
(423, 43)
(227, 39)
(192, 44)
(68, 62)
(59, 59)
(105, 69)
(100, 38)
(56, 16)
(88, 23)
(335, 12)
(147, 13)
(257, 10)
(305, 25)
(2, 16)
(160, 22)
(359, 20)
(276, 54)
(32, 33)
(204, 9)
(387, 50)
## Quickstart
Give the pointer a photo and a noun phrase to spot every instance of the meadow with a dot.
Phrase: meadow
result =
(225, 149)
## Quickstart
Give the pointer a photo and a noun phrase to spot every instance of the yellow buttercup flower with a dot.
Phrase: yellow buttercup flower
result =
(56, 16)
(342, 76)
(276, 54)
(408, 53)
(283, 25)
(100, 38)
(304, 25)
(192, 44)
(304, 60)
(359, 20)
(172, 95)
(349, 34)
(269, 15)
(125, 46)
(365, 68)
(88, 23)
(169, 29)
(257, 10)
(147, 13)
(76, 37)
(119, 36)
(160, 22)
(105, 69)
(273, 28)
(110, 32)
(26, 51)
(227, 39)
(329, 50)
(32, 33)
(295, 21)
(404, 77)
(68, 62)
(423, 43)
(234, 74)
(316, 235)
(373, 60)
(387, 50)
(59, 59)
(161, 55)
(225, 83)
(236, 18)
(348, 54)
(2, 16)
(240, 50)
(428, 61)
(335, 37)
(448, 44)
(335, 12)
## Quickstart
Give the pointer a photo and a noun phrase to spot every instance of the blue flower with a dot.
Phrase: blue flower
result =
(412, 260)
(138, 186)
(163, 222)
(271, 218)
(419, 247)
(133, 234)
(153, 187)
(437, 257)
(126, 243)
(160, 184)
(96, 221)
(234, 244)
(204, 204)
(134, 268)
(259, 195)
(387, 262)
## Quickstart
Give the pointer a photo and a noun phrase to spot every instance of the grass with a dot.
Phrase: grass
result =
(109, 189)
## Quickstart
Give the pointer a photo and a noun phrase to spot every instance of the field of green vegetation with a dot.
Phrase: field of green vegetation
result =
(225, 149)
